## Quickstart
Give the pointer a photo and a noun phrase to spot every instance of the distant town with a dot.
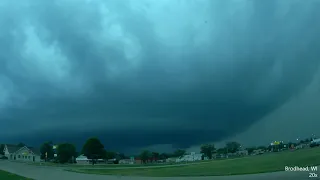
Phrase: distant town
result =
(94, 152)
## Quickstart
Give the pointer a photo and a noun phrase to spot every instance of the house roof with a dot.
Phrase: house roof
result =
(36, 151)
(12, 148)
(15, 148)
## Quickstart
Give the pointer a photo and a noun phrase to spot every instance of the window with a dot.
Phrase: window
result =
(18, 156)
(28, 157)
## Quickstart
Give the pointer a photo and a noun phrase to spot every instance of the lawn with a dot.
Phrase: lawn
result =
(9, 176)
(247, 165)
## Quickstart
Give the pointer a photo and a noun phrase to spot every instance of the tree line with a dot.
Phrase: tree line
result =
(66, 152)
(93, 149)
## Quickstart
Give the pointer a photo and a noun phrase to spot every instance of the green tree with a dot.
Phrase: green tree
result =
(145, 156)
(123, 156)
(110, 155)
(163, 156)
(222, 151)
(66, 152)
(207, 150)
(179, 153)
(233, 147)
(251, 149)
(155, 156)
(46, 148)
(2, 149)
(93, 149)
(21, 144)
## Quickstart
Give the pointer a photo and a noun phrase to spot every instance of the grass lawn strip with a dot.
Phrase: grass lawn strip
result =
(4, 175)
(249, 165)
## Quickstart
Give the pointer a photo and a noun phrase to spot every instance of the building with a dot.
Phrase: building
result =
(316, 141)
(258, 152)
(16, 153)
(82, 159)
(126, 161)
(111, 161)
(171, 160)
(191, 157)
(242, 153)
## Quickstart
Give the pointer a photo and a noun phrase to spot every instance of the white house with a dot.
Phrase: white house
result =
(82, 159)
(316, 141)
(191, 157)
(171, 160)
(126, 161)
(242, 153)
(16, 153)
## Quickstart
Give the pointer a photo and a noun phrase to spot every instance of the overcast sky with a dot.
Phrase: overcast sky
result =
(140, 73)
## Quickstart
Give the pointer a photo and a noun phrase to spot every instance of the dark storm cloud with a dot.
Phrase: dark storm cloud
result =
(138, 73)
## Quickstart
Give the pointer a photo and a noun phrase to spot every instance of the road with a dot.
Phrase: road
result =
(54, 173)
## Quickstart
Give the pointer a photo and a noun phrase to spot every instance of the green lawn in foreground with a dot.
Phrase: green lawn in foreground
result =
(248, 165)
(9, 176)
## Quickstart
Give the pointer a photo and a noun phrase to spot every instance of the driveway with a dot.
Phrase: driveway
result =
(54, 173)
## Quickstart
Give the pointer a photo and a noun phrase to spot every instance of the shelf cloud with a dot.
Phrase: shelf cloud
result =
(148, 72)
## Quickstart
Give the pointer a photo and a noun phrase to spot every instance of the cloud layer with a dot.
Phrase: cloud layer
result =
(139, 73)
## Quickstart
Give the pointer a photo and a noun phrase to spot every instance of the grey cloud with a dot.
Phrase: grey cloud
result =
(151, 72)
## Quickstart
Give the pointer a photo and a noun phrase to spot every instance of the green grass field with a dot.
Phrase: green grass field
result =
(247, 165)
(9, 176)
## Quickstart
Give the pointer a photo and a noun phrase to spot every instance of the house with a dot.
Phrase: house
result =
(242, 153)
(82, 159)
(111, 161)
(258, 152)
(16, 153)
(315, 141)
(191, 157)
(126, 161)
(171, 160)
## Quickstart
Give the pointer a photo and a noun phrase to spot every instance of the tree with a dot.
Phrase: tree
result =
(155, 156)
(93, 149)
(179, 153)
(2, 149)
(66, 152)
(145, 156)
(222, 151)
(21, 144)
(307, 140)
(290, 145)
(46, 148)
(233, 147)
(208, 150)
(164, 156)
(251, 149)
(110, 155)
(123, 156)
